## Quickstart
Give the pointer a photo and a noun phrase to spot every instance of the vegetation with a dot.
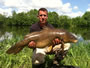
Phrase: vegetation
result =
(78, 55)
(31, 17)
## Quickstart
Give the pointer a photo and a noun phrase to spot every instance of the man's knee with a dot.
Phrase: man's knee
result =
(38, 59)
(38, 56)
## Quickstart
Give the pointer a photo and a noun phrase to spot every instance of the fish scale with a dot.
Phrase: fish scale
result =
(43, 39)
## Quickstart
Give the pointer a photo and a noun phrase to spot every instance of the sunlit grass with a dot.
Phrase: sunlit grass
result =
(78, 55)
(22, 59)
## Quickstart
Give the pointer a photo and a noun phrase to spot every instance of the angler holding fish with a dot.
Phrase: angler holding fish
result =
(43, 39)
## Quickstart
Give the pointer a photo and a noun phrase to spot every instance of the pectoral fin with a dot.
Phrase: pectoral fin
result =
(49, 48)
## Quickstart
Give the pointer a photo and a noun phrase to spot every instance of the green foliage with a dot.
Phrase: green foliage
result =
(64, 21)
(78, 55)
(86, 17)
(76, 21)
(53, 18)
(30, 17)
(22, 18)
(21, 60)
(2, 19)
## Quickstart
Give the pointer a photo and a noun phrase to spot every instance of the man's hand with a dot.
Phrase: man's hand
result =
(56, 41)
(32, 44)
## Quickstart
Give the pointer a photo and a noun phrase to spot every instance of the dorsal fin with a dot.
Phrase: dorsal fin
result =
(45, 28)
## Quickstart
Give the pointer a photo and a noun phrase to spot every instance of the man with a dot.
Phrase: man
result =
(37, 52)
(42, 16)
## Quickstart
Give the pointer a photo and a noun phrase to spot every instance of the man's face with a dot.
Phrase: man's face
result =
(43, 16)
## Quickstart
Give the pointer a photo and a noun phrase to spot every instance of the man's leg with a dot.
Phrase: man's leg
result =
(59, 55)
(38, 58)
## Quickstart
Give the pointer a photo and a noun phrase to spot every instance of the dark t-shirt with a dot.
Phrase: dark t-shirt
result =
(37, 27)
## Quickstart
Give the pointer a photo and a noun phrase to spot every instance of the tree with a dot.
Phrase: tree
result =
(76, 21)
(86, 17)
(2, 19)
(32, 16)
(65, 21)
(53, 18)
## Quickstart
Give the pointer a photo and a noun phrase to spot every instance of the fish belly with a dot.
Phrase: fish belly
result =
(43, 43)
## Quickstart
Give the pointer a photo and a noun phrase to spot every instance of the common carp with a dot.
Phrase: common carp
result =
(43, 38)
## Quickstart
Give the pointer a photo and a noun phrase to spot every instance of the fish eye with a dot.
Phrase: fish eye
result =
(72, 37)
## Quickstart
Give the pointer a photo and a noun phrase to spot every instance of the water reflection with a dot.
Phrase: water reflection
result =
(9, 32)
(81, 39)
(7, 35)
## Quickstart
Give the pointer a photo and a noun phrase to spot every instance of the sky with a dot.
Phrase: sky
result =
(72, 8)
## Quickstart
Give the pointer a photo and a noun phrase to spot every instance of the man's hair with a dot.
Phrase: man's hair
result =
(42, 9)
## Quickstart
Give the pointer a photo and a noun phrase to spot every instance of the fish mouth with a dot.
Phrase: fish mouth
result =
(75, 41)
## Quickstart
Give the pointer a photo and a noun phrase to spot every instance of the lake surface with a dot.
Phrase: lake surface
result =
(7, 32)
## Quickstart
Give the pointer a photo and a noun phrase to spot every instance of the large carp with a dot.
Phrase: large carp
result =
(43, 38)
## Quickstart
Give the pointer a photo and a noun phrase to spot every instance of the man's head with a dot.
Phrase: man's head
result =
(43, 15)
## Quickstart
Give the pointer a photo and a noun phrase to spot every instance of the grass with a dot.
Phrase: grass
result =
(78, 55)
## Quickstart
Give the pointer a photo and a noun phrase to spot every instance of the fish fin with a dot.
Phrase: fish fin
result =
(49, 49)
(14, 49)
(18, 50)
(45, 28)
(11, 50)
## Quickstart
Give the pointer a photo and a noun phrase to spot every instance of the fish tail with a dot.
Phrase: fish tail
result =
(17, 47)
(11, 50)
(14, 50)
(18, 50)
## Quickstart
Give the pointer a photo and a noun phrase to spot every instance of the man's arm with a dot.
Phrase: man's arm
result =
(32, 44)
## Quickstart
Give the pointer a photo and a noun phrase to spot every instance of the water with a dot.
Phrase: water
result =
(7, 32)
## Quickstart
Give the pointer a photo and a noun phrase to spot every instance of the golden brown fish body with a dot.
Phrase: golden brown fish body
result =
(43, 38)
